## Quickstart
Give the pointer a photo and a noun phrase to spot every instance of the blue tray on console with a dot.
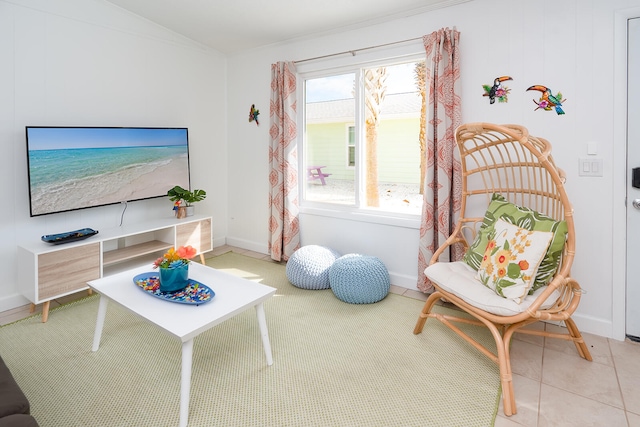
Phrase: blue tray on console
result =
(195, 293)
(69, 236)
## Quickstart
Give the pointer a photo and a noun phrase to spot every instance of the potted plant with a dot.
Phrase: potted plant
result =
(178, 195)
(174, 268)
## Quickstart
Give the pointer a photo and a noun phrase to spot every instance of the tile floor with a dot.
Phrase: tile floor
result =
(553, 385)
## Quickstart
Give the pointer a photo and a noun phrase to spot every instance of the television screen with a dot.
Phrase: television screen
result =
(73, 168)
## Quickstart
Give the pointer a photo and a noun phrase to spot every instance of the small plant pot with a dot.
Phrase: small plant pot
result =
(174, 279)
(190, 210)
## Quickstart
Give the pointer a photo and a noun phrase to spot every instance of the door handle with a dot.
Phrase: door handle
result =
(636, 203)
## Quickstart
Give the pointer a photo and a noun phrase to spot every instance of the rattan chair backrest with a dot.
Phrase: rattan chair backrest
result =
(505, 159)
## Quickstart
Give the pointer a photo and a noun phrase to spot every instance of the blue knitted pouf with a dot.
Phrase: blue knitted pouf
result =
(308, 267)
(359, 279)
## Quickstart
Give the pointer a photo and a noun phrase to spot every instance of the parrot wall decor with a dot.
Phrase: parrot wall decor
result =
(497, 91)
(547, 100)
(253, 114)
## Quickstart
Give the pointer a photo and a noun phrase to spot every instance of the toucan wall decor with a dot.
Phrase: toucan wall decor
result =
(253, 114)
(497, 91)
(547, 100)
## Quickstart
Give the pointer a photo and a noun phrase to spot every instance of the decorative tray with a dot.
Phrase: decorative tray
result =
(69, 236)
(195, 293)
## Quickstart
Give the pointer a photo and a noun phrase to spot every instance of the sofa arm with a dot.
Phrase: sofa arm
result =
(18, 420)
(12, 399)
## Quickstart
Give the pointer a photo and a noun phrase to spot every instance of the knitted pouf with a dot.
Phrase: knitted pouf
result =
(308, 267)
(359, 279)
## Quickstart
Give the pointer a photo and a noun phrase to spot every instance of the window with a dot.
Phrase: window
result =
(361, 146)
(351, 146)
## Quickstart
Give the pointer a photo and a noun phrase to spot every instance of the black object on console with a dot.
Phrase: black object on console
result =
(69, 236)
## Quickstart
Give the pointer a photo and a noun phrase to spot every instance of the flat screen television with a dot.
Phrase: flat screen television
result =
(72, 168)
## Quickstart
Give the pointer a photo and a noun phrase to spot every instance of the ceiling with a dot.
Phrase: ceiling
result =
(231, 26)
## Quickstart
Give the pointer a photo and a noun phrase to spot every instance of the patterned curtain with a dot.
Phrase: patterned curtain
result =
(443, 185)
(284, 229)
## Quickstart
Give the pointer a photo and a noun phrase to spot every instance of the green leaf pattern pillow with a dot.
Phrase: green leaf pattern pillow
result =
(524, 218)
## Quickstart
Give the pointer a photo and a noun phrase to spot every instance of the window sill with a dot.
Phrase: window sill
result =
(363, 215)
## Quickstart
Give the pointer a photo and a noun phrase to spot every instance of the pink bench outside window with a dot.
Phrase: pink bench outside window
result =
(315, 172)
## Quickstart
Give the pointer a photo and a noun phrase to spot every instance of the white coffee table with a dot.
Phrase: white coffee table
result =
(233, 295)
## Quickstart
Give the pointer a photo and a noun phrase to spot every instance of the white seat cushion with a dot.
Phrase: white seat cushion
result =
(459, 279)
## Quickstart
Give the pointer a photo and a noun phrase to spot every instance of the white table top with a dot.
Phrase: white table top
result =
(233, 295)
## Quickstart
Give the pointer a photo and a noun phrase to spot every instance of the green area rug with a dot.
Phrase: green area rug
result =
(335, 364)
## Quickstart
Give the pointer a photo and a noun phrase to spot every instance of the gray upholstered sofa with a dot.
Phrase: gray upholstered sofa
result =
(14, 406)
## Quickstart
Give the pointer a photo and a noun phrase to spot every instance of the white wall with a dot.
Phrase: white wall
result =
(74, 62)
(89, 63)
(567, 45)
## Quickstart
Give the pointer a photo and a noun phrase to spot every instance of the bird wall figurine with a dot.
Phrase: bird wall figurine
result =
(547, 100)
(253, 114)
(497, 90)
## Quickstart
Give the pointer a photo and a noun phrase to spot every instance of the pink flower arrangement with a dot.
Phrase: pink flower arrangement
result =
(175, 258)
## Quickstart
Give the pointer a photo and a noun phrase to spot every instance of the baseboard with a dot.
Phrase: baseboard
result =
(221, 241)
(9, 302)
(586, 324)
(248, 245)
(592, 325)
(404, 280)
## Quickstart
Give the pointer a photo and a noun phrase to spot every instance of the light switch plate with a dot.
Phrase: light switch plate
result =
(590, 167)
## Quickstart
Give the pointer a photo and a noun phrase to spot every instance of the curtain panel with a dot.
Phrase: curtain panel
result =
(443, 184)
(284, 230)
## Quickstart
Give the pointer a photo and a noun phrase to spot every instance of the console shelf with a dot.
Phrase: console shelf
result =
(48, 271)
(119, 255)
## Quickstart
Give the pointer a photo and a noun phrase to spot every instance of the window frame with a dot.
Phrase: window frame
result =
(349, 146)
(351, 212)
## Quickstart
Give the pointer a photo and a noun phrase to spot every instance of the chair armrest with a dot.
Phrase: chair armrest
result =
(565, 306)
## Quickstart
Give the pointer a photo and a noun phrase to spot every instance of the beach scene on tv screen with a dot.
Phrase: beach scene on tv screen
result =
(75, 168)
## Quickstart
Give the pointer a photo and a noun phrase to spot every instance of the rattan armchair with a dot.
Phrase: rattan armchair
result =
(505, 159)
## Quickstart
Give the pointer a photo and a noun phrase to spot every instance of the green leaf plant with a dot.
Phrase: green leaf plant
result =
(189, 197)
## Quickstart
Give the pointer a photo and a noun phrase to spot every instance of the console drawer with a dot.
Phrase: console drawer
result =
(67, 270)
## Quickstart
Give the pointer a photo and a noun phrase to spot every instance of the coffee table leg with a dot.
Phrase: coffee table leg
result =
(102, 312)
(262, 322)
(185, 381)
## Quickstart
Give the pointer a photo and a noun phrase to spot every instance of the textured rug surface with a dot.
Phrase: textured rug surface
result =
(335, 364)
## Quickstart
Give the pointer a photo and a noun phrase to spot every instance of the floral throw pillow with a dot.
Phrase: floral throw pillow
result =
(511, 259)
(525, 218)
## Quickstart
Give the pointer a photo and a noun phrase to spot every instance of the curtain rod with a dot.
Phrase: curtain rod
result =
(353, 52)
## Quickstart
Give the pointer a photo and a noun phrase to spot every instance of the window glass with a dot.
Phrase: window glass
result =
(362, 138)
(329, 106)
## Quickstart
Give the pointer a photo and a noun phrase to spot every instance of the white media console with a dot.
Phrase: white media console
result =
(47, 271)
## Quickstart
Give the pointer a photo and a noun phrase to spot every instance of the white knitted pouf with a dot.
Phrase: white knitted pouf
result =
(359, 279)
(308, 267)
